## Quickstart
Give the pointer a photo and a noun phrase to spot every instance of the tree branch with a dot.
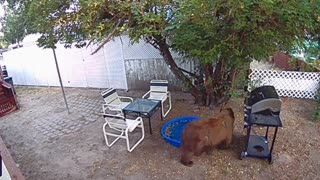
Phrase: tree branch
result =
(110, 35)
(152, 42)
(190, 73)
(168, 59)
(89, 43)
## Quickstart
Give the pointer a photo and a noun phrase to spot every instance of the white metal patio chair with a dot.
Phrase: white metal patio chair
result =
(120, 127)
(159, 91)
(113, 102)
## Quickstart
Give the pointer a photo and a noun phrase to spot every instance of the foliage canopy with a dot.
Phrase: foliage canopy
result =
(225, 35)
(244, 29)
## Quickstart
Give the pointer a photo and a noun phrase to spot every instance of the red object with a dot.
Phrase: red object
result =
(282, 61)
(7, 99)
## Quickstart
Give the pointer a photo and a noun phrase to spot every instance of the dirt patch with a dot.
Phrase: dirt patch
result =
(81, 153)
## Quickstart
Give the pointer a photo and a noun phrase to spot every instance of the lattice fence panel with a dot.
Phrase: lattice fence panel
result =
(287, 83)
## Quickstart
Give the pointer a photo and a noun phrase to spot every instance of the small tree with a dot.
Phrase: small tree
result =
(13, 27)
(224, 35)
(316, 114)
(99, 21)
(227, 35)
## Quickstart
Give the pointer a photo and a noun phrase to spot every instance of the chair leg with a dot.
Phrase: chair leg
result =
(162, 110)
(106, 136)
(142, 137)
(104, 109)
(165, 114)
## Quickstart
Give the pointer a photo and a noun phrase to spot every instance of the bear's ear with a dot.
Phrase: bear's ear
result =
(223, 105)
(224, 124)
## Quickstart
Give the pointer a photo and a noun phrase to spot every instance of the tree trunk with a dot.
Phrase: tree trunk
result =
(232, 77)
(209, 80)
(164, 49)
(213, 92)
(221, 82)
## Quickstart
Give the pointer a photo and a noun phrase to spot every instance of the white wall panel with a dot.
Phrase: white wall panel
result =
(15, 68)
(95, 68)
(31, 65)
(71, 66)
(28, 65)
(115, 64)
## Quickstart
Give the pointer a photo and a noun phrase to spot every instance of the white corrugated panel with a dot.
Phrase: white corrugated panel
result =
(71, 66)
(95, 68)
(14, 67)
(28, 65)
(115, 64)
(38, 64)
(31, 65)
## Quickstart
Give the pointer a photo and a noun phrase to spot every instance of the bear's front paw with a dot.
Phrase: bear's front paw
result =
(209, 150)
(189, 163)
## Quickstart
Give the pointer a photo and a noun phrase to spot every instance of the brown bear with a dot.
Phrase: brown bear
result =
(203, 135)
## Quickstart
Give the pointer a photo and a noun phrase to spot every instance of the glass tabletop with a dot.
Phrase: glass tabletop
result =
(142, 105)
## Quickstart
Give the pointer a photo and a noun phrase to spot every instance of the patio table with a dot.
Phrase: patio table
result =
(144, 108)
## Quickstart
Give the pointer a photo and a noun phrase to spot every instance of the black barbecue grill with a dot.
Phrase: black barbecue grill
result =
(262, 108)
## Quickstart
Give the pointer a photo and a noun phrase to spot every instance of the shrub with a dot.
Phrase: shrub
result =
(316, 114)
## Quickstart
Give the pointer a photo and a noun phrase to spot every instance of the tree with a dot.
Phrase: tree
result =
(227, 35)
(99, 21)
(223, 35)
(3, 43)
(312, 49)
(13, 27)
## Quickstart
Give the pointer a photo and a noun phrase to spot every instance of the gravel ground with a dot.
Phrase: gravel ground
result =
(81, 153)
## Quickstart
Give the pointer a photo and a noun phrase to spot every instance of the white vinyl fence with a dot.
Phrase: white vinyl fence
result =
(31, 65)
(287, 83)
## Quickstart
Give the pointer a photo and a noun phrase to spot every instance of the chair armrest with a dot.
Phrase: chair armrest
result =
(145, 94)
(104, 107)
(112, 107)
(118, 116)
(167, 95)
(125, 97)
(132, 126)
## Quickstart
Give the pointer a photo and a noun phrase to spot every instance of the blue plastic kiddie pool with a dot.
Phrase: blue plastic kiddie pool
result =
(173, 129)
